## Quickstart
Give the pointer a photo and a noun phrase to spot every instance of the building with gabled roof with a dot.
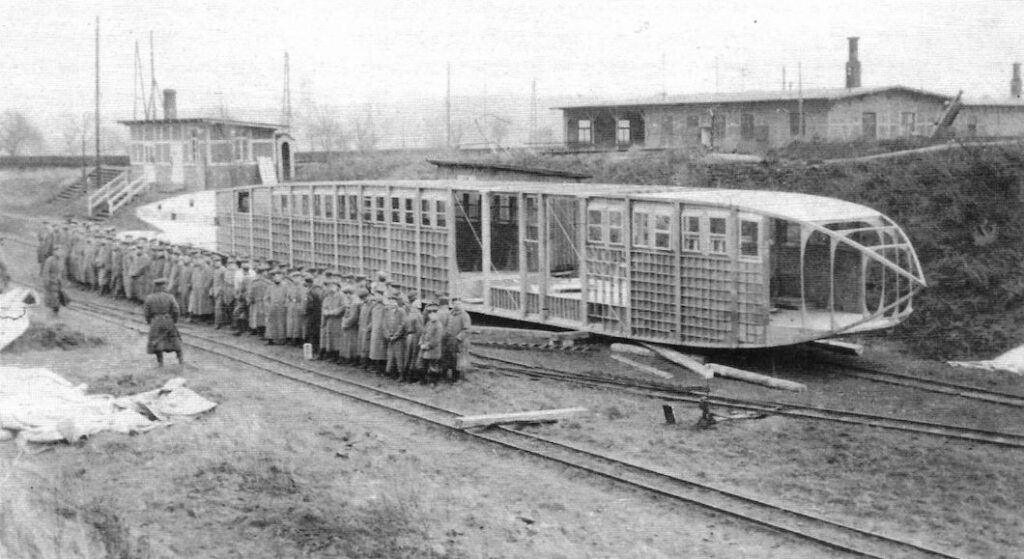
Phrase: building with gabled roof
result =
(756, 121)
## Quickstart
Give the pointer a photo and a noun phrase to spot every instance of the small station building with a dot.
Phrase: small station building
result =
(207, 153)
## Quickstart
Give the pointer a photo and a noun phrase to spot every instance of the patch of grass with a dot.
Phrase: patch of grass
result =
(47, 336)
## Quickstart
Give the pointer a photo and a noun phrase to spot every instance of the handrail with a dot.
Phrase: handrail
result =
(103, 193)
(126, 194)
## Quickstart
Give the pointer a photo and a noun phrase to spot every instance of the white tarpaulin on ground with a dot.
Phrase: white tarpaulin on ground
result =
(15, 302)
(38, 405)
(1012, 361)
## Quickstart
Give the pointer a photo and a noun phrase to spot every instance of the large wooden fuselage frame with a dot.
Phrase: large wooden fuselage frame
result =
(675, 265)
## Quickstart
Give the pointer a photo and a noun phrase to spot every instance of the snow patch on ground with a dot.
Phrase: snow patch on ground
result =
(1012, 361)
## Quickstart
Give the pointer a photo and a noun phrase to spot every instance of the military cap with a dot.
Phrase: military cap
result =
(330, 282)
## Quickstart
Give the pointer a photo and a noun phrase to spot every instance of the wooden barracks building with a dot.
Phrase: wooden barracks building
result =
(756, 121)
(207, 153)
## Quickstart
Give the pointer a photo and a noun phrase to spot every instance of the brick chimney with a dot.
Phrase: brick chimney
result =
(1015, 81)
(853, 65)
(170, 104)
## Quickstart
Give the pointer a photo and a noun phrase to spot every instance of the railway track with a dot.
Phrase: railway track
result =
(696, 395)
(837, 538)
(882, 375)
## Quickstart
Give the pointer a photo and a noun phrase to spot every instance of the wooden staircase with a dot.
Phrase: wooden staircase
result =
(114, 195)
(75, 187)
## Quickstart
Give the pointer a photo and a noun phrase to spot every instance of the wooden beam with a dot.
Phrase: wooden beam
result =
(630, 348)
(747, 376)
(683, 360)
(645, 368)
(468, 421)
(836, 346)
(485, 250)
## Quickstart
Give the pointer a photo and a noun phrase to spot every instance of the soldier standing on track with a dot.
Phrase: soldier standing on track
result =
(116, 268)
(276, 302)
(102, 265)
(140, 267)
(350, 324)
(430, 343)
(456, 343)
(240, 313)
(257, 308)
(413, 330)
(226, 296)
(330, 325)
(218, 292)
(378, 345)
(313, 313)
(394, 336)
(52, 278)
(295, 319)
(161, 312)
(365, 315)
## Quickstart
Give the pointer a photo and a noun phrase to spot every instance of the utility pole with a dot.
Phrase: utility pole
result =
(800, 96)
(152, 84)
(448, 107)
(533, 113)
(98, 174)
(287, 99)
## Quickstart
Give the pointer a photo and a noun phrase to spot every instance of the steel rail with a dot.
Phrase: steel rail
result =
(830, 534)
(690, 395)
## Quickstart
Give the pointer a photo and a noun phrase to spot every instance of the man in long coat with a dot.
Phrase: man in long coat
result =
(102, 265)
(331, 312)
(430, 343)
(313, 313)
(276, 302)
(116, 268)
(183, 283)
(393, 324)
(140, 267)
(413, 331)
(127, 265)
(225, 297)
(456, 339)
(295, 320)
(378, 343)
(161, 312)
(46, 242)
(219, 279)
(365, 329)
(204, 289)
(350, 324)
(240, 312)
(257, 306)
(52, 278)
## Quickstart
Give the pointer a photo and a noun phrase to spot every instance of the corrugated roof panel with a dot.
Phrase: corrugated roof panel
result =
(792, 206)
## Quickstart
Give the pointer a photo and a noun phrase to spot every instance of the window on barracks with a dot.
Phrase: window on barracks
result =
(532, 219)
(585, 134)
(717, 240)
(692, 121)
(353, 207)
(410, 211)
(284, 203)
(641, 229)
(329, 206)
(662, 230)
(396, 210)
(367, 208)
(425, 218)
(749, 238)
(379, 204)
(442, 214)
(794, 123)
(747, 126)
(243, 203)
(318, 205)
(595, 230)
(305, 204)
(622, 132)
(503, 209)
(691, 233)
(615, 226)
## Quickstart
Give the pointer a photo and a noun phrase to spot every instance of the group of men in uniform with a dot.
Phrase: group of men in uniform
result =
(345, 318)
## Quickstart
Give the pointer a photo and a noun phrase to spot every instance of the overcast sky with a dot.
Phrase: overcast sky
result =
(360, 51)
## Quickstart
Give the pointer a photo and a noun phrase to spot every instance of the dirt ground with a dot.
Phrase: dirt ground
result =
(279, 470)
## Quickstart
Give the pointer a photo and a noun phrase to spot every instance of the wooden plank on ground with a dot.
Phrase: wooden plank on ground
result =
(642, 367)
(468, 421)
(683, 360)
(756, 378)
(837, 346)
(630, 348)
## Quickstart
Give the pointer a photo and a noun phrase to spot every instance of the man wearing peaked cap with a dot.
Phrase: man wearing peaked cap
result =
(161, 312)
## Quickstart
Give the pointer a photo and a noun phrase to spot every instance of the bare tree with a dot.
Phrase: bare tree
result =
(18, 135)
(72, 131)
(325, 130)
(366, 131)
